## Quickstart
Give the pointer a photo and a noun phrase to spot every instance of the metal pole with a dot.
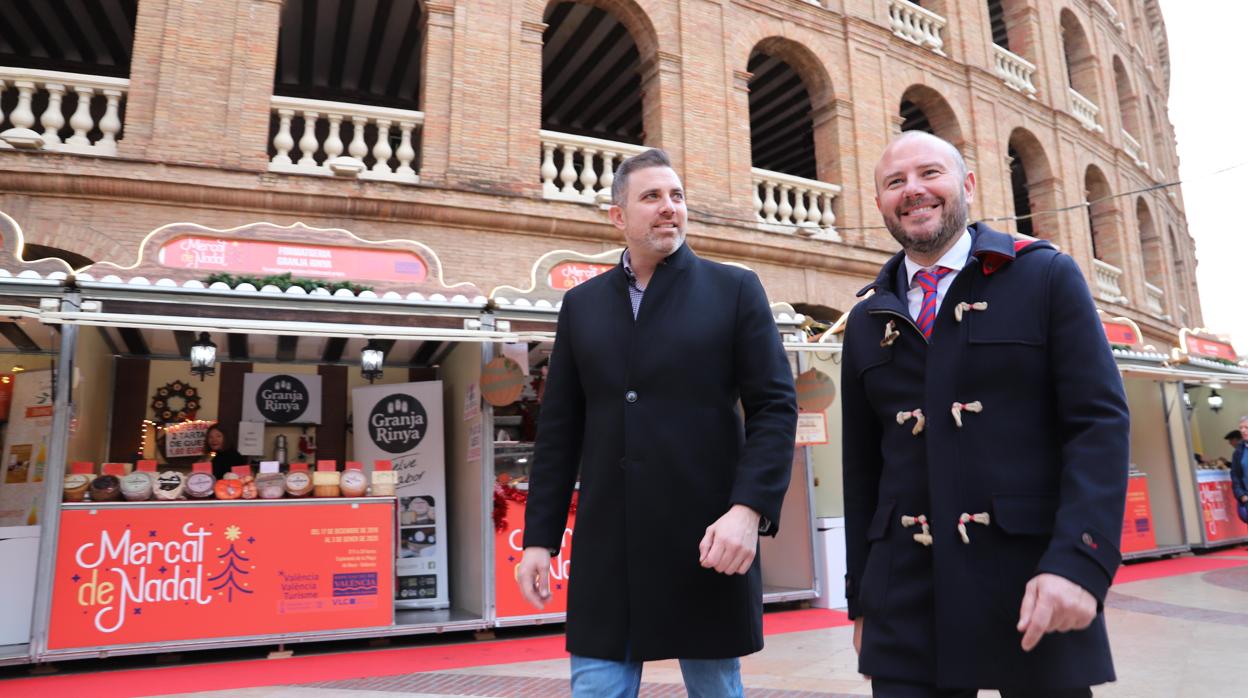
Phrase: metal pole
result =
(58, 450)
(489, 600)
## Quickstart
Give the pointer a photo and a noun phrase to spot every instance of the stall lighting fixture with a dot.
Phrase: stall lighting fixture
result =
(203, 357)
(1215, 401)
(371, 360)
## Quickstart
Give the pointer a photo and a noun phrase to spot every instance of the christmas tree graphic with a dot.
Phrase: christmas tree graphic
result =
(230, 558)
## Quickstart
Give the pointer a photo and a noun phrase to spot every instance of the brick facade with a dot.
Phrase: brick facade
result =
(197, 130)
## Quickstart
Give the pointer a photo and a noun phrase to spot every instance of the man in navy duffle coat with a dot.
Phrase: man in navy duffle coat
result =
(650, 363)
(985, 452)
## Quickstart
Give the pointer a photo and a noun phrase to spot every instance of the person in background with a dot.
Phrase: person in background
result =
(222, 451)
(1239, 469)
(1233, 438)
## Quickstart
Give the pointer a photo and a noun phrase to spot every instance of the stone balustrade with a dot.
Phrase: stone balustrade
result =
(1134, 150)
(1155, 299)
(1108, 281)
(1015, 70)
(581, 169)
(795, 205)
(916, 25)
(77, 113)
(345, 140)
(1085, 111)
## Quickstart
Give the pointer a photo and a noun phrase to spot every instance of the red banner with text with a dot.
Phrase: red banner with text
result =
(1217, 506)
(1137, 519)
(508, 548)
(186, 572)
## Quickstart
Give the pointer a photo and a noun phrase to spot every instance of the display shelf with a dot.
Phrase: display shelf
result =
(1160, 551)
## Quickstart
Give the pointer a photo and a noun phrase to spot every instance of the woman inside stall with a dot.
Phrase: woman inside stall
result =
(224, 455)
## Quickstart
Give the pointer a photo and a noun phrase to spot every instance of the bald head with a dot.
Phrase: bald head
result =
(944, 147)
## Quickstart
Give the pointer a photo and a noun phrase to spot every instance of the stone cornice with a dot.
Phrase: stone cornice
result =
(785, 251)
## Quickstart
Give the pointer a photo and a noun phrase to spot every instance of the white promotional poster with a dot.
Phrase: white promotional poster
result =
(26, 448)
(282, 398)
(403, 424)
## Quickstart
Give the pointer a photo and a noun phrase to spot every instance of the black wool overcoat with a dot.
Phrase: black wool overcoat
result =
(647, 411)
(1046, 460)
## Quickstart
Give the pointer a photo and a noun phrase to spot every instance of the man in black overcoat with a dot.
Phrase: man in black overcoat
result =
(670, 392)
(985, 452)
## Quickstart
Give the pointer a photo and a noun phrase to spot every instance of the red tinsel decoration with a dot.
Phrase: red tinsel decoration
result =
(506, 493)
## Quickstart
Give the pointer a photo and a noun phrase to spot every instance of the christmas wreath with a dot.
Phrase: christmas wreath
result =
(177, 401)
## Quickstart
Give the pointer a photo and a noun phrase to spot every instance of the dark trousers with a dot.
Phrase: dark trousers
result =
(883, 688)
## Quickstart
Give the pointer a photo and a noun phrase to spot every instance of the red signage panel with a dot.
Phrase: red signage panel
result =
(571, 274)
(1137, 519)
(1120, 333)
(212, 254)
(1210, 348)
(1217, 505)
(185, 572)
(508, 548)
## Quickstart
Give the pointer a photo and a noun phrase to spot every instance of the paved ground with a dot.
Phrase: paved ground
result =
(1178, 633)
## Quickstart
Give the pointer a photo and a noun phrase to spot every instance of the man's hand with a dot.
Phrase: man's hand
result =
(858, 635)
(730, 543)
(533, 576)
(1053, 604)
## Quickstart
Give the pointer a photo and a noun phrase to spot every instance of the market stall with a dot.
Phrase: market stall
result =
(1215, 393)
(327, 392)
(1153, 520)
(28, 352)
(788, 560)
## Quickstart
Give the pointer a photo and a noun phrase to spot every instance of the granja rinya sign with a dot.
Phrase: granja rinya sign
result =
(121, 573)
(282, 398)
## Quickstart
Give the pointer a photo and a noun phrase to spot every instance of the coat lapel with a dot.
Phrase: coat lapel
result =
(666, 275)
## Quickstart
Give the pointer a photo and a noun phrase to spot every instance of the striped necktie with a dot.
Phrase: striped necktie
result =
(928, 280)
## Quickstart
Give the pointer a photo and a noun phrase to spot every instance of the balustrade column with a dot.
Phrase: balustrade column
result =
(568, 174)
(307, 142)
(110, 123)
(381, 149)
(549, 171)
(406, 153)
(23, 116)
(589, 178)
(607, 180)
(53, 117)
(283, 142)
(81, 121)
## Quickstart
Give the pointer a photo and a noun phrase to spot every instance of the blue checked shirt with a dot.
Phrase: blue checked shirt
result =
(634, 291)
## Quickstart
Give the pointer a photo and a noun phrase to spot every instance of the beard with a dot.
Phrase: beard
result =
(662, 244)
(952, 223)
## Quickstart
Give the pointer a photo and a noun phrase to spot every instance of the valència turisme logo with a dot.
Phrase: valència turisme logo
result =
(282, 399)
(397, 423)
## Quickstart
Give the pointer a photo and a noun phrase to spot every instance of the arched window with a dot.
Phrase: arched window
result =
(1154, 264)
(924, 109)
(1013, 54)
(349, 57)
(591, 92)
(792, 182)
(1107, 250)
(1080, 72)
(1032, 185)
(781, 131)
(80, 38)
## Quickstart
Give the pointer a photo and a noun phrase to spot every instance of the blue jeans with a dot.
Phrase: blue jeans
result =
(606, 678)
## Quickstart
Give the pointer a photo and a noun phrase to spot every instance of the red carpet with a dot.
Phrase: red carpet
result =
(1178, 565)
(335, 667)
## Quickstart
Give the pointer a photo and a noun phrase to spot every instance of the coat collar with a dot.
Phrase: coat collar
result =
(992, 248)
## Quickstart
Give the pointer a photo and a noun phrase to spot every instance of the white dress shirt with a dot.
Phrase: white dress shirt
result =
(955, 259)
